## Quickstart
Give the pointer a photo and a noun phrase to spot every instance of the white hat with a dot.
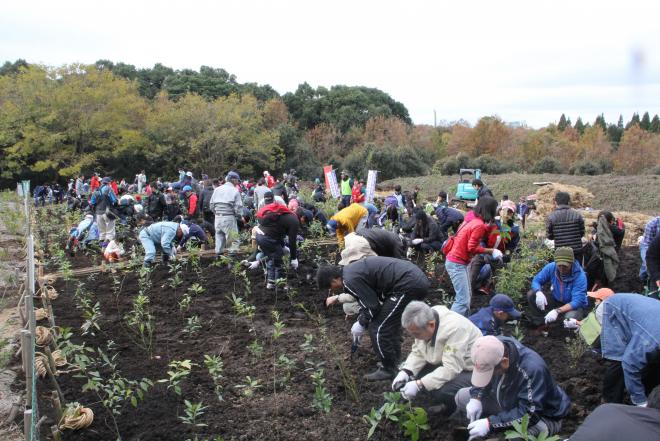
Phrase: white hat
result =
(184, 229)
(189, 174)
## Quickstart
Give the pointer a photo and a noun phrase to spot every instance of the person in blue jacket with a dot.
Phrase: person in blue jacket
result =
(509, 381)
(630, 338)
(500, 310)
(160, 235)
(568, 284)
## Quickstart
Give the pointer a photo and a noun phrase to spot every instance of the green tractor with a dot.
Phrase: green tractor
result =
(465, 193)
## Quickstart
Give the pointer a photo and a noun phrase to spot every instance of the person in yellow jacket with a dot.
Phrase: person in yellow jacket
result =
(439, 363)
(346, 221)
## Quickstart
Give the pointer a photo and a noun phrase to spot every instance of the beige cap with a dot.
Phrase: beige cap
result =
(487, 352)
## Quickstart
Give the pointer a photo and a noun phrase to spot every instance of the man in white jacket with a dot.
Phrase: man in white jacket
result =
(439, 363)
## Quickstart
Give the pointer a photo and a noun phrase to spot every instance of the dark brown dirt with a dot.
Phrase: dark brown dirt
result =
(275, 412)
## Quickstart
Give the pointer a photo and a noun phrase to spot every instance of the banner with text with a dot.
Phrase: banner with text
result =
(371, 185)
(331, 181)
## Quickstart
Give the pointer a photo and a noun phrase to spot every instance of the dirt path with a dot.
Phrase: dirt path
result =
(11, 269)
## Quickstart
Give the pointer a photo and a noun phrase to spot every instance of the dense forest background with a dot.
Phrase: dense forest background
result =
(57, 122)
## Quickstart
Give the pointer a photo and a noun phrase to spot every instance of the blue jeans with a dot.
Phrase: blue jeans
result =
(371, 210)
(346, 199)
(460, 278)
(642, 269)
(148, 245)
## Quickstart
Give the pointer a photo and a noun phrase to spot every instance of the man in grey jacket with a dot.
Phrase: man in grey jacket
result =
(566, 226)
(227, 205)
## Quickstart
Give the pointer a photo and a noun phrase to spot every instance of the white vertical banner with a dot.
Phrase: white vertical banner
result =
(371, 185)
(331, 176)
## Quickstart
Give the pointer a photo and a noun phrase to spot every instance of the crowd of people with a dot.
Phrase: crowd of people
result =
(459, 359)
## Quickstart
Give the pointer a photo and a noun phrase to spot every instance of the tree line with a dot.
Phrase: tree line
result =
(57, 122)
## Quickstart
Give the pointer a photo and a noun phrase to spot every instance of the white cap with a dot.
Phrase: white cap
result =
(184, 229)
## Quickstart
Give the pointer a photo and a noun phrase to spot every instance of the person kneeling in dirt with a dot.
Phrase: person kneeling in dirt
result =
(346, 221)
(373, 280)
(425, 236)
(363, 243)
(569, 290)
(276, 223)
(510, 381)
(196, 237)
(439, 363)
(619, 422)
(500, 310)
(81, 235)
(630, 339)
(161, 235)
(115, 250)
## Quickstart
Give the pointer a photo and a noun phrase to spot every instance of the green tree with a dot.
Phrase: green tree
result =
(579, 126)
(13, 68)
(655, 124)
(645, 123)
(562, 122)
(633, 121)
(67, 120)
(600, 122)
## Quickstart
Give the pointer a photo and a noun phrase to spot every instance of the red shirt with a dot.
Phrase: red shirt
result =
(94, 183)
(192, 204)
(357, 195)
(467, 243)
(270, 181)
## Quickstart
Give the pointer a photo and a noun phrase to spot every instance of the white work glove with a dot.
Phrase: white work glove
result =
(294, 264)
(410, 390)
(178, 249)
(254, 265)
(417, 241)
(571, 323)
(173, 253)
(357, 329)
(400, 380)
(551, 316)
(478, 428)
(644, 404)
(286, 249)
(497, 254)
(473, 409)
(541, 301)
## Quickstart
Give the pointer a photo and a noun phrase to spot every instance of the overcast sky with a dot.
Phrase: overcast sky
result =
(522, 60)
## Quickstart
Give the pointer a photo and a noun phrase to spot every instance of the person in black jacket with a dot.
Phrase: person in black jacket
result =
(565, 226)
(510, 381)
(280, 190)
(276, 222)
(653, 263)
(382, 286)
(448, 218)
(426, 233)
(156, 204)
(618, 422)
(481, 188)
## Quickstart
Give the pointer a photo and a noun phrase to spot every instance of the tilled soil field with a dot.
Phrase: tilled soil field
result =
(280, 405)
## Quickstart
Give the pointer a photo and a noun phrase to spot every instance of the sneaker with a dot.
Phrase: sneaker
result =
(380, 374)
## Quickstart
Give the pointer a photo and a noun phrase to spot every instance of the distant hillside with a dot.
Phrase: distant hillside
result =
(629, 193)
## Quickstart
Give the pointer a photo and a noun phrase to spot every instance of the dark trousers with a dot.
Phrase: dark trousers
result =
(346, 200)
(274, 251)
(537, 316)
(446, 394)
(613, 380)
(429, 247)
(385, 328)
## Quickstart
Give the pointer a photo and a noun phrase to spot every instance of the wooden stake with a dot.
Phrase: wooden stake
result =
(27, 424)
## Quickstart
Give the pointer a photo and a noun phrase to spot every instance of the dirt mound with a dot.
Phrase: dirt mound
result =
(545, 196)
(634, 223)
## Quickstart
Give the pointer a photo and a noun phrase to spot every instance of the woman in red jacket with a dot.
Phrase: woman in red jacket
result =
(467, 244)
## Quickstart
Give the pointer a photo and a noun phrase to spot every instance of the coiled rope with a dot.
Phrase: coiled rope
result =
(76, 418)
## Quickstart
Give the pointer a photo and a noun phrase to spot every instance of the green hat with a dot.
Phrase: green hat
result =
(564, 256)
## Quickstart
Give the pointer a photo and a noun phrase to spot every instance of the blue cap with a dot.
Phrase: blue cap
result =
(187, 188)
(332, 226)
(502, 302)
(105, 180)
(232, 175)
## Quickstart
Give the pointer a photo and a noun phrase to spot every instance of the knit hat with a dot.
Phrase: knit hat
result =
(564, 256)
(269, 197)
